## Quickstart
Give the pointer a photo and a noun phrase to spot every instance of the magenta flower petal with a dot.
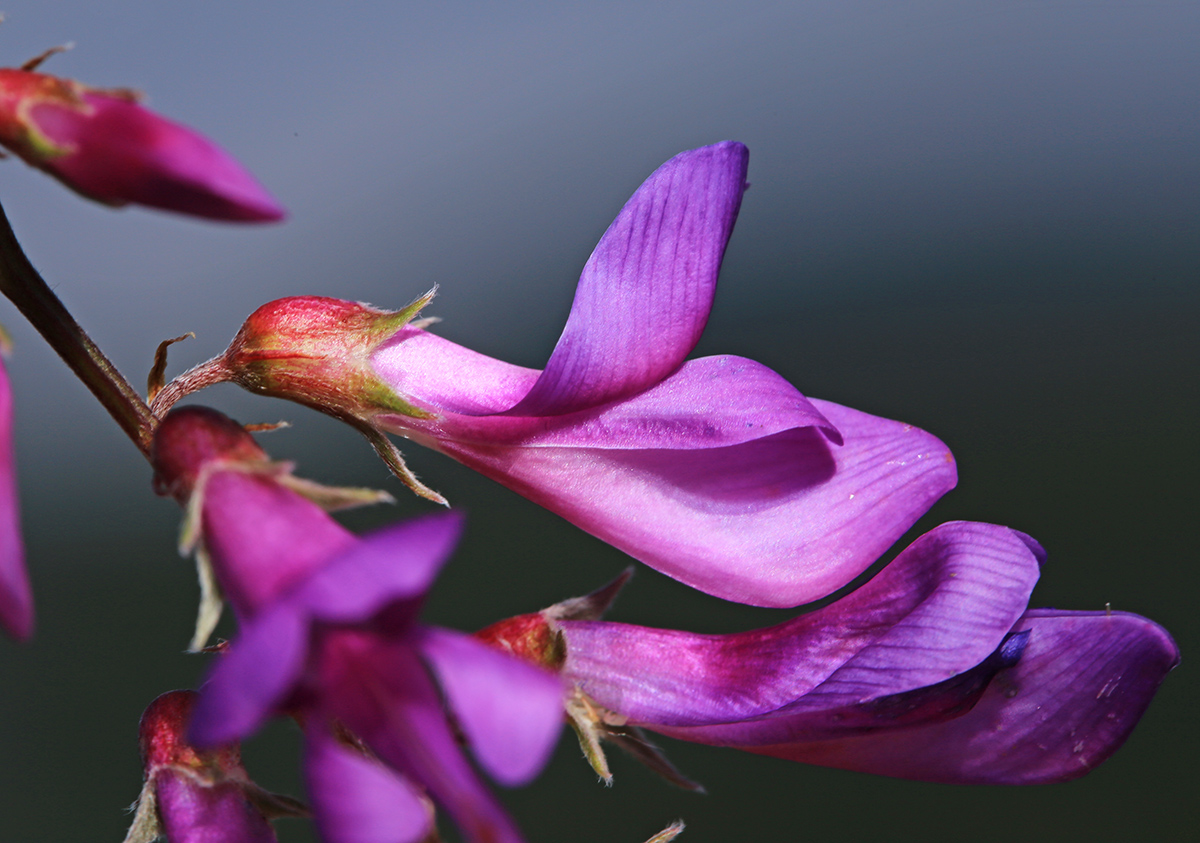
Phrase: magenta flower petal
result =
(624, 334)
(775, 521)
(357, 800)
(510, 711)
(1079, 689)
(191, 813)
(272, 537)
(16, 597)
(708, 403)
(940, 608)
(105, 146)
(252, 678)
(402, 720)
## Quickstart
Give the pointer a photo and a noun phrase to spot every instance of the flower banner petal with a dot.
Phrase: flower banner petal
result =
(510, 711)
(940, 608)
(645, 293)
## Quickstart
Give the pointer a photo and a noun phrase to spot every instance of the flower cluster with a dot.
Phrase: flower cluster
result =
(715, 471)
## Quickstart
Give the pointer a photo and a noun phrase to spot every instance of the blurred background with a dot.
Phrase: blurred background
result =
(980, 218)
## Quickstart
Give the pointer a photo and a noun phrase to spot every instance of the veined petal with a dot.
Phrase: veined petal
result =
(358, 800)
(776, 521)
(16, 597)
(1082, 684)
(393, 564)
(192, 812)
(645, 293)
(510, 711)
(252, 678)
(939, 609)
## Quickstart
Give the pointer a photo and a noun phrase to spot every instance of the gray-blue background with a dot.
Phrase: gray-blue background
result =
(981, 218)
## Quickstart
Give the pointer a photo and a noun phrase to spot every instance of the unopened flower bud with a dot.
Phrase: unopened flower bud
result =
(105, 146)
(192, 795)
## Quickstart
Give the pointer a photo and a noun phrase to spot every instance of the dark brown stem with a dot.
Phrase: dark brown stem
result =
(34, 298)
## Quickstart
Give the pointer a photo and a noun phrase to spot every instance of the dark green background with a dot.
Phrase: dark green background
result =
(983, 219)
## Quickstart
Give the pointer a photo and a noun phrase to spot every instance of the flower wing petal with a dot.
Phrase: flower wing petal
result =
(777, 521)
(645, 293)
(510, 711)
(358, 800)
(939, 609)
(254, 676)
(1082, 684)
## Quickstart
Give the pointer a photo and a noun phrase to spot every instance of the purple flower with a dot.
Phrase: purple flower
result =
(715, 471)
(103, 145)
(932, 670)
(330, 634)
(16, 598)
(194, 796)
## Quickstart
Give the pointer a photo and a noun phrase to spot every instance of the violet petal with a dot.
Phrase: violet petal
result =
(940, 608)
(396, 563)
(1080, 687)
(252, 678)
(358, 800)
(645, 293)
(509, 710)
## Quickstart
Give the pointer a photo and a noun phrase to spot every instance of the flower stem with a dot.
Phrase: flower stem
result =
(34, 298)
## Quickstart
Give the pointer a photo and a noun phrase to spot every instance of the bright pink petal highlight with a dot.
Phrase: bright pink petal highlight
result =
(16, 596)
(510, 711)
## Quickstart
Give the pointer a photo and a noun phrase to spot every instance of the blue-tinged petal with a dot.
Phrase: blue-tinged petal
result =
(645, 293)
(1080, 687)
(252, 678)
(940, 608)
(356, 799)
(509, 711)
